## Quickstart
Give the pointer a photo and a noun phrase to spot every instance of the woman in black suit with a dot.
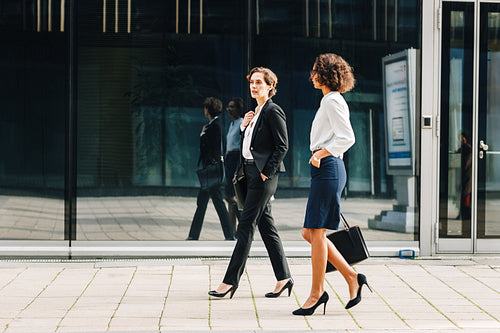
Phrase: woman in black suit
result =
(211, 151)
(264, 146)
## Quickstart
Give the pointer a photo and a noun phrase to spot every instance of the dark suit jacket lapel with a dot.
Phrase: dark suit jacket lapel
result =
(259, 121)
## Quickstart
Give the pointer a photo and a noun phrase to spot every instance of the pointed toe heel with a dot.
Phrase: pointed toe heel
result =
(355, 301)
(309, 311)
(288, 285)
(220, 295)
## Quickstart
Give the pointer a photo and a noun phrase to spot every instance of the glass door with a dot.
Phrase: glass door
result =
(457, 92)
(488, 155)
(469, 186)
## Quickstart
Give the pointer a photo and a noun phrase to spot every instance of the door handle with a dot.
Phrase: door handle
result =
(483, 145)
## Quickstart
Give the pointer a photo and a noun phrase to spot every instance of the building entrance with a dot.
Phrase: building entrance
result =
(469, 186)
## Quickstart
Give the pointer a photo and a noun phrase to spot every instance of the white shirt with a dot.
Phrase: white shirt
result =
(233, 137)
(247, 139)
(331, 127)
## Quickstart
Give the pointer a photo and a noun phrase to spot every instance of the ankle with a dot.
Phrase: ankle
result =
(223, 287)
(316, 295)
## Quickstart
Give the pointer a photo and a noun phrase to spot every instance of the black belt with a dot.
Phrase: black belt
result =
(247, 161)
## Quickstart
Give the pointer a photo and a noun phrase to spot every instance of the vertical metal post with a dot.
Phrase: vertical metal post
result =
(38, 15)
(385, 21)
(374, 19)
(201, 17)
(189, 17)
(307, 18)
(395, 20)
(104, 16)
(319, 19)
(475, 124)
(71, 128)
(176, 16)
(63, 21)
(248, 46)
(129, 15)
(330, 32)
(257, 17)
(372, 171)
(116, 16)
(49, 14)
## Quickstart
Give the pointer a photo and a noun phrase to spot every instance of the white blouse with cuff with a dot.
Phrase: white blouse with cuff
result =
(331, 127)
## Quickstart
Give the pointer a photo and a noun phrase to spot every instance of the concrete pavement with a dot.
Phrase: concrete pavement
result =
(446, 294)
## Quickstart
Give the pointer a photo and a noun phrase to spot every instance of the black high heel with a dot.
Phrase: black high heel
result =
(361, 282)
(288, 285)
(216, 294)
(309, 311)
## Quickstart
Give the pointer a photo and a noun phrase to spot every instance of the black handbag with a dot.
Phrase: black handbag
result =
(211, 175)
(350, 243)
(240, 187)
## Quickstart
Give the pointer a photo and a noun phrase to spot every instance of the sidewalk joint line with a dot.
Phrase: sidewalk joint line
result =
(422, 296)
(166, 297)
(473, 277)
(15, 277)
(253, 299)
(465, 297)
(298, 303)
(77, 299)
(210, 297)
(35, 298)
(121, 299)
(340, 300)
(391, 308)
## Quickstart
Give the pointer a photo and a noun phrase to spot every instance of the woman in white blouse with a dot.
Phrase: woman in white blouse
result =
(331, 137)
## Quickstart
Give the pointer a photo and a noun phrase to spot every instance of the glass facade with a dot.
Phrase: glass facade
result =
(33, 90)
(143, 69)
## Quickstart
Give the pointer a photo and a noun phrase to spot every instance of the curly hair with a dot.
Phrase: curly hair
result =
(334, 72)
(213, 106)
(270, 78)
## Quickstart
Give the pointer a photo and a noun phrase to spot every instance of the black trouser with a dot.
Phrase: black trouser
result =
(216, 194)
(231, 163)
(257, 212)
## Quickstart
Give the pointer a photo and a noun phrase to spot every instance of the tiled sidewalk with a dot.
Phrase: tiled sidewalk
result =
(424, 295)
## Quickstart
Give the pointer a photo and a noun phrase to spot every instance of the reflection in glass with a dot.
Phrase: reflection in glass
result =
(140, 91)
(456, 129)
(32, 122)
(489, 123)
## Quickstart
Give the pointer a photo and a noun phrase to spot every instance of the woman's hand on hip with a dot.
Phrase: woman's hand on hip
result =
(264, 177)
(315, 161)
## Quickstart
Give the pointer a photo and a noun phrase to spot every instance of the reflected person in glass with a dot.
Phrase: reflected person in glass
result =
(211, 151)
(234, 109)
(264, 146)
(465, 151)
(331, 136)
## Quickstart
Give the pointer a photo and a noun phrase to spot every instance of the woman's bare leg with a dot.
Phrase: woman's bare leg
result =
(319, 254)
(337, 260)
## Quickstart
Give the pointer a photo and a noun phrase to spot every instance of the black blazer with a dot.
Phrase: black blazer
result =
(211, 148)
(269, 140)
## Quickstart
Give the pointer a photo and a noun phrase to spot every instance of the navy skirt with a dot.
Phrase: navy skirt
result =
(327, 184)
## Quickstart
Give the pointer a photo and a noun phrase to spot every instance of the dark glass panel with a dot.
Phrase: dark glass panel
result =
(32, 121)
(456, 112)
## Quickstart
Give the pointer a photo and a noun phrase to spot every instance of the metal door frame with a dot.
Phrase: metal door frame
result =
(463, 245)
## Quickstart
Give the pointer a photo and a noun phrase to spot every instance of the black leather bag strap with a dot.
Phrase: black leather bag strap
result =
(347, 226)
